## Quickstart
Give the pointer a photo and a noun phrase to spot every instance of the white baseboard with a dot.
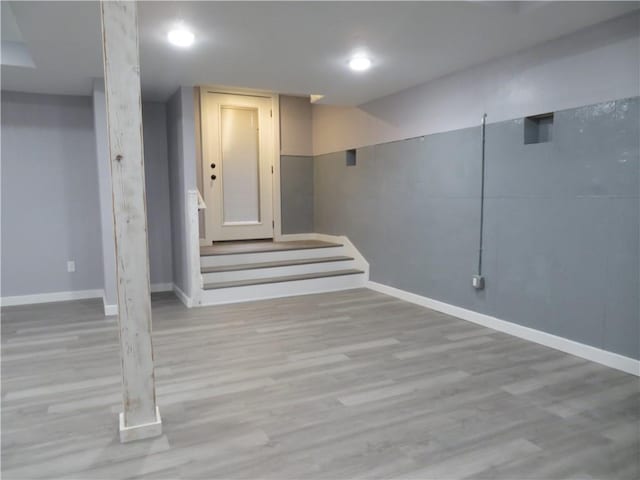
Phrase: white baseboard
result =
(50, 297)
(184, 298)
(140, 432)
(109, 309)
(161, 287)
(112, 309)
(609, 359)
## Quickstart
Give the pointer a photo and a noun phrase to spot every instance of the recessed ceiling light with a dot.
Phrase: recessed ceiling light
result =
(181, 37)
(359, 64)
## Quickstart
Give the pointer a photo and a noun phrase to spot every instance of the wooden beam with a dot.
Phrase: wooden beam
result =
(140, 417)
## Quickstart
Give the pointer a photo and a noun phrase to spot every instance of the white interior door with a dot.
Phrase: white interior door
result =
(237, 167)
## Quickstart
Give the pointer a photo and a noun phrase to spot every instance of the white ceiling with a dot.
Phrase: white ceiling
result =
(292, 47)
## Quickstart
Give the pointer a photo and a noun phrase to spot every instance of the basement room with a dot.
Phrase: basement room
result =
(320, 240)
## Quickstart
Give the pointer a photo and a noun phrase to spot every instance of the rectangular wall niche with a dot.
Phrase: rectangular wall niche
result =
(538, 129)
(351, 157)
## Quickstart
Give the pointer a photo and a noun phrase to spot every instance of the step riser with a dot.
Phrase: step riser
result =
(273, 256)
(277, 271)
(283, 289)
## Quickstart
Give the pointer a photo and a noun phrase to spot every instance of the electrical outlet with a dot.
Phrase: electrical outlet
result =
(71, 266)
(478, 282)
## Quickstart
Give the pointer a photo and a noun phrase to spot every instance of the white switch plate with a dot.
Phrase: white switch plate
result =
(71, 266)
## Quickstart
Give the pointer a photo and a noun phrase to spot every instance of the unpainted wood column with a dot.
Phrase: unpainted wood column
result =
(140, 417)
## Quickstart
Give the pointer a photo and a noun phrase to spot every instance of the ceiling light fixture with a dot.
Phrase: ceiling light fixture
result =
(359, 63)
(181, 37)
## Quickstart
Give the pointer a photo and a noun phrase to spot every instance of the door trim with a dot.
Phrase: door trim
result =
(275, 109)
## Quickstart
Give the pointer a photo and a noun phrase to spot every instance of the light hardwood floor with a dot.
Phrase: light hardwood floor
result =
(341, 385)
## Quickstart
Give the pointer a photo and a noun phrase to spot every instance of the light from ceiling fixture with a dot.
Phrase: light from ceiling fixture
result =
(180, 37)
(359, 64)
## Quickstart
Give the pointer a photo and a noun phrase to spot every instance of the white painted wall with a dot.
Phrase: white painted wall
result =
(295, 126)
(594, 65)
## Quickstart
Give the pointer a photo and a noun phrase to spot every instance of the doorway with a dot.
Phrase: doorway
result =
(238, 159)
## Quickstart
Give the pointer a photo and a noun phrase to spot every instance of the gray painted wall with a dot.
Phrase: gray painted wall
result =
(181, 142)
(50, 209)
(562, 220)
(56, 194)
(597, 64)
(156, 170)
(156, 167)
(104, 193)
(295, 126)
(296, 194)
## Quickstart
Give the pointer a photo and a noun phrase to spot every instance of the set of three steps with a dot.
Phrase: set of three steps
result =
(243, 271)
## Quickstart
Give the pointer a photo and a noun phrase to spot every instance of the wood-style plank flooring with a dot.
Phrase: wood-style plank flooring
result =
(340, 385)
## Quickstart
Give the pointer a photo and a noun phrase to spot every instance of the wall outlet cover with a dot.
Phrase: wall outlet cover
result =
(478, 282)
(71, 266)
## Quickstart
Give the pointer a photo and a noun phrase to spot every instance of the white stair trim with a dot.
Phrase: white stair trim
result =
(343, 247)
(603, 357)
(278, 271)
(194, 279)
(264, 291)
(349, 248)
(271, 256)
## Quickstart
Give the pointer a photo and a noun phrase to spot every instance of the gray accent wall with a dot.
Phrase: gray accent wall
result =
(593, 65)
(181, 141)
(296, 194)
(154, 119)
(50, 210)
(56, 194)
(295, 125)
(110, 295)
(156, 171)
(296, 165)
(156, 168)
(562, 220)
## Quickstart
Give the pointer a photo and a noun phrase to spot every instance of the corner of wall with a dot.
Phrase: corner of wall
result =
(104, 192)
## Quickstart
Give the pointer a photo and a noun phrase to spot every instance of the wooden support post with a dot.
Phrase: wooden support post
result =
(140, 417)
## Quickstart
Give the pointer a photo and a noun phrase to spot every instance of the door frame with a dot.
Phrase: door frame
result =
(275, 178)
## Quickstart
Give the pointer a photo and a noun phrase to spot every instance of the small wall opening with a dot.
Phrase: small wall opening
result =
(351, 157)
(538, 129)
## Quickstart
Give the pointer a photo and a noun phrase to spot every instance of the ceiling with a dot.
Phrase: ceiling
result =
(289, 47)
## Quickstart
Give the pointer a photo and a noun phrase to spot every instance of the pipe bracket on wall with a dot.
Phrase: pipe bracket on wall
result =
(477, 280)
